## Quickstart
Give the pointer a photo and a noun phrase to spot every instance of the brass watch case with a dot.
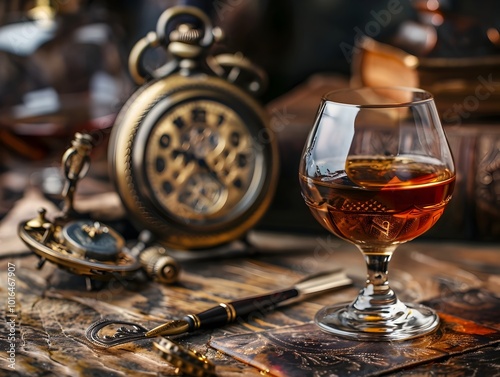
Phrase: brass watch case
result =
(54, 250)
(128, 150)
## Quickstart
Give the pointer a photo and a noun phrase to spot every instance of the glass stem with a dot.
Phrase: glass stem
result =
(377, 272)
(377, 293)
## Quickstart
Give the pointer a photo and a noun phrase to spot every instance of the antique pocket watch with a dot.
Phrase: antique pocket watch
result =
(190, 152)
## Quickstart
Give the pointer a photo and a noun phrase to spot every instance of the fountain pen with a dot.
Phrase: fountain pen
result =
(218, 315)
(225, 313)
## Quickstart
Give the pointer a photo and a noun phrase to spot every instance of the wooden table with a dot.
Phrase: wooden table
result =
(53, 309)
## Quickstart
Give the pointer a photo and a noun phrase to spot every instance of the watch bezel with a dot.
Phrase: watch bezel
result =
(127, 145)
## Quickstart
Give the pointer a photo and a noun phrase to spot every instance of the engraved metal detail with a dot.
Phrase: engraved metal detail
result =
(231, 312)
(105, 334)
(187, 362)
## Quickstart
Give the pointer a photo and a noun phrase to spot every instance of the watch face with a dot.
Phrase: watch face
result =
(92, 240)
(200, 162)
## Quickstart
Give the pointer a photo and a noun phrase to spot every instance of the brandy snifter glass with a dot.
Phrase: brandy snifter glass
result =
(377, 171)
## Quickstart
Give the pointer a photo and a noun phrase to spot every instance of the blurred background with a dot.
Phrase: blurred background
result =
(63, 68)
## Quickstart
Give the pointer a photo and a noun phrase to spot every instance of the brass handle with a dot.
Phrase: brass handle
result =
(237, 69)
(178, 48)
(135, 64)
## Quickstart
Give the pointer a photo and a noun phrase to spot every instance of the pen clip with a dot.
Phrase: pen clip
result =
(322, 282)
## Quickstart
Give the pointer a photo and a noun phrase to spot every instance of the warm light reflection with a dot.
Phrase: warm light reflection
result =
(493, 35)
(437, 19)
(432, 5)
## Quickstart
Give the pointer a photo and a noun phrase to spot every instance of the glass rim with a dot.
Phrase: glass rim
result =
(428, 96)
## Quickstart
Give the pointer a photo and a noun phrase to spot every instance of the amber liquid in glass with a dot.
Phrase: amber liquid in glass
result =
(385, 201)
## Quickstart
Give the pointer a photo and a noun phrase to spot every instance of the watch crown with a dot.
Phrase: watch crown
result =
(158, 265)
(185, 42)
(185, 33)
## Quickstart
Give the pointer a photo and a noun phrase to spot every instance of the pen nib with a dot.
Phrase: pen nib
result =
(174, 327)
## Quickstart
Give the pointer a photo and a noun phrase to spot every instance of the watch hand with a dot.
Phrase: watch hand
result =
(190, 156)
(219, 315)
(202, 163)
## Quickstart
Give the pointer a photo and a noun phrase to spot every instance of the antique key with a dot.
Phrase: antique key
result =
(186, 361)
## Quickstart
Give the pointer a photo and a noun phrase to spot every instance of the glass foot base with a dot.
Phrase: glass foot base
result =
(409, 321)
